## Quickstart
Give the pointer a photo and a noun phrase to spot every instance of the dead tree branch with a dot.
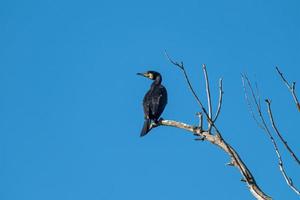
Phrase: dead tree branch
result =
(221, 143)
(291, 87)
(279, 134)
(262, 124)
(250, 107)
(215, 139)
(281, 166)
(207, 114)
(181, 66)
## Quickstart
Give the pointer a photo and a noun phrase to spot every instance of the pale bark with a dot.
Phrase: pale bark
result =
(218, 141)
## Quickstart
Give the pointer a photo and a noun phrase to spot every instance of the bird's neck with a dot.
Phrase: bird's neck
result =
(157, 81)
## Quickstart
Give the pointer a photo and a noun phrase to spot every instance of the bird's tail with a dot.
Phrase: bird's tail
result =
(146, 127)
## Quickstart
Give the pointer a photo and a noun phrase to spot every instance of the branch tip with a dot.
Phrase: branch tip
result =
(291, 88)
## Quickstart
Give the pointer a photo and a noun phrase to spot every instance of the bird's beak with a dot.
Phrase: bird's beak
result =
(142, 74)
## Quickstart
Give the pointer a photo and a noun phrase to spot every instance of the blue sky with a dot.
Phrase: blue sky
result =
(71, 103)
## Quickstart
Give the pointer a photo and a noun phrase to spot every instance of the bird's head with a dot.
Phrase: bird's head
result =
(150, 74)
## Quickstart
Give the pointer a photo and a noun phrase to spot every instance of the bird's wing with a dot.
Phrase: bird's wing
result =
(147, 104)
(159, 101)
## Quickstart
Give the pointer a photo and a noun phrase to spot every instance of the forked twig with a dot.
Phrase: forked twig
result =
(279, 134)
(181, 66)
(250, 107)
(292, 88)
(281, 166)
(267, 130)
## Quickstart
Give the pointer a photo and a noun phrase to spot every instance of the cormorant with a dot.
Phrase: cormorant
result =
(154, 101)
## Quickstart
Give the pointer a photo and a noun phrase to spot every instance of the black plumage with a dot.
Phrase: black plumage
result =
(154, 101)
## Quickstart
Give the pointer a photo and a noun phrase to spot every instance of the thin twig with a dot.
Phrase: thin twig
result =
(207, 95)
(292, 88)
(257, 95)
(250, 107)
(278, 133)
(281, 166)
(181, 66)
(220, 100)
(266, 129)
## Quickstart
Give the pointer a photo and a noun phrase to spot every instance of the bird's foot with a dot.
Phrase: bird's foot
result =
(156, 122)
(159, 120)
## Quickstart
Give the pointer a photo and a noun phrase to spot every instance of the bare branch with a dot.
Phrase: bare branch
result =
(181, 66)
(218, 141)
(281, 166)
(256, 101)
(292, 88)
(257, 95)
(266, 129)
(250, 107)
(207, 94)
(220, 100)
(278, 133)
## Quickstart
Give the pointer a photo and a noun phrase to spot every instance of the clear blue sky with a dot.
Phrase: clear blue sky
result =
(71, 103)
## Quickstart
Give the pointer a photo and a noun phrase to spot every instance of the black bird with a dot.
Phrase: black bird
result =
(154, 101)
